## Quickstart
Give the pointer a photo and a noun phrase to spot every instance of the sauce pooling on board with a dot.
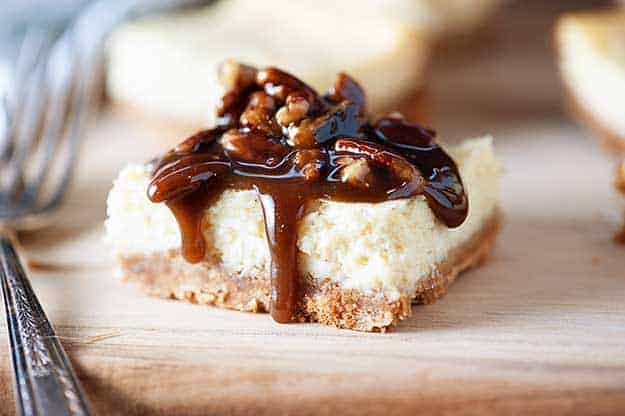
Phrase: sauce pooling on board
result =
(279, 137)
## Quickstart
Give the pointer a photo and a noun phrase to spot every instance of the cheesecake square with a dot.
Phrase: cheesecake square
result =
(300, 205)
(591, 58)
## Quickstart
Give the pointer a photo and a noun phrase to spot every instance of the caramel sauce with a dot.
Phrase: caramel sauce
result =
(290, 145)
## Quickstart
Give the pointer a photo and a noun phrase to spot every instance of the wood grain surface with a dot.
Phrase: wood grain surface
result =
(540, 329)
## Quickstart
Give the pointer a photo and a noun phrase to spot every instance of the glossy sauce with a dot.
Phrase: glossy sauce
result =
(292, 146)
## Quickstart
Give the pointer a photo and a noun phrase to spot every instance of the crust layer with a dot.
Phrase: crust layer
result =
(168, 275)
(607, 137)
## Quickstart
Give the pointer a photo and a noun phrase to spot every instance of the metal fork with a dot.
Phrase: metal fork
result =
(46, 117)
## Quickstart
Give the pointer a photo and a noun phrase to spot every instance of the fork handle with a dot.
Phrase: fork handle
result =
(44, 381)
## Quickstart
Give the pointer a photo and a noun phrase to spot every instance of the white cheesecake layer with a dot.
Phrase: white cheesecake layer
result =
(165, 66)
(592, 64)
(437, 18)
(389, 245)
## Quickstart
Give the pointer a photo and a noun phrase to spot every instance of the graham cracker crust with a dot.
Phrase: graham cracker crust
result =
(168, 275)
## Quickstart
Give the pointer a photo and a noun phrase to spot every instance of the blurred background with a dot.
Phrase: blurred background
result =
(450, 63)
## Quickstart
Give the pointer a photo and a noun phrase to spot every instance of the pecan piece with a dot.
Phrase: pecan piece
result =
(238, 81)
(356, 172)
(253, 146)
(298, 97)
(295, 109)
(342, 120)
(310, 162)
(236, 76)
(346, 88)
(281, 84)
(397, 165)
(259, 112)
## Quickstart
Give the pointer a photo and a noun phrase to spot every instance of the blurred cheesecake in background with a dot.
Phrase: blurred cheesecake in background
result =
(440, 19)
(163, 67)
(591, 48)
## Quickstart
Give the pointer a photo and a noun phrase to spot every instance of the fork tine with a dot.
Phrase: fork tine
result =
(82, 105)
(26, 128)
(61, 79)
(29, 53)
(30, 49)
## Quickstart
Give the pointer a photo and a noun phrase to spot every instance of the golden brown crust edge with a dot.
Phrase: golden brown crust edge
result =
(609, 140)
(168, 275)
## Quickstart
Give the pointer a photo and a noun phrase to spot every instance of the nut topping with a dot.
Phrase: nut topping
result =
(235, 76)
(295, 109)
(346, 89)
(397, 165)
(259, 112)
(310, 162)
(356, 172)
(280, 84)
(253, 147)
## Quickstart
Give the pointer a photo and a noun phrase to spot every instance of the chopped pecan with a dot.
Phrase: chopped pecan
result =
(259, 113)
(281, 84)
(236, 76)
(310, 162)
(298, 98)
(238, 81)
(356, 172)
(253, 146)
(346, 88)
(302, 135)
(295, 109)
(398, 166)
(342, 120)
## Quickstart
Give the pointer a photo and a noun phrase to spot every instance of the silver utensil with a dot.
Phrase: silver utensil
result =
(41, 124)
(46, 116)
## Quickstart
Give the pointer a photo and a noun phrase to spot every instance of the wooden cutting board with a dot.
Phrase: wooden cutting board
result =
(540, 329)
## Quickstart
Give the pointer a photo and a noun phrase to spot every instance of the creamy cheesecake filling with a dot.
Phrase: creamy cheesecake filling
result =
(592, 62)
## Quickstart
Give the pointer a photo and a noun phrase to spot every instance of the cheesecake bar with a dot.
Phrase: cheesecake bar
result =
(298, 204)
(591, 47)
(441, 20)
(162, 68)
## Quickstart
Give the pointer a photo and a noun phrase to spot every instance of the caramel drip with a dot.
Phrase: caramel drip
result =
(292, 146)
(281, 216)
